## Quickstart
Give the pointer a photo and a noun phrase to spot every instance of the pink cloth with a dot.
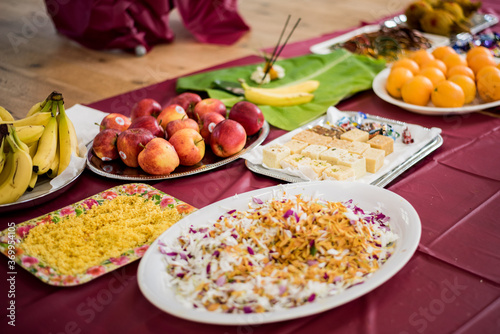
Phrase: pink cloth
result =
(128, 24)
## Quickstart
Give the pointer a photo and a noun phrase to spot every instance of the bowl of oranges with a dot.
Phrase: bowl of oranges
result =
(441, 81)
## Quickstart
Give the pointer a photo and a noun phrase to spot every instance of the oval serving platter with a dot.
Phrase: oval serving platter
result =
(118, 170)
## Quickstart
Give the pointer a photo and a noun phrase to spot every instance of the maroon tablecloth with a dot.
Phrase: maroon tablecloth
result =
(452, 283)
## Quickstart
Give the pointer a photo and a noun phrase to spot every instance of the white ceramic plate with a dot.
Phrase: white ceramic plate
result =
(404, 222)
(324, 47)
(379, 89)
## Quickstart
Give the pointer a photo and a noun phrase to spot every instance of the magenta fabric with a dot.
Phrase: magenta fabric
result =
(128, 24)
(451, 284)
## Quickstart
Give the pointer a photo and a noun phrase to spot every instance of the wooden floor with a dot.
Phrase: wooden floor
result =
(35, 59)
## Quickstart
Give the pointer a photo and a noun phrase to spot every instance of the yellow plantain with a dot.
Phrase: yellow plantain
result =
(68, 141)
(258, 96)
(308, 86)
(29, 134)
(47, 146)
(5, 115)
(19, 168)
(41, 118)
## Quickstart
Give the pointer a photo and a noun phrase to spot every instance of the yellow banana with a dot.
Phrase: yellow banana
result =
(29, 133)
(68, 141)
(308, 86)
(258, 96)
(2, 154)
(37, 107)
(32, 149)
(32, 184)
(41, 118)
(19, 167)
(5, 115)
(47, 146)
(54, 167)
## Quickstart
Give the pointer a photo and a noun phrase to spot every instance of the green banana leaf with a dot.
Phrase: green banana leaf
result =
(341, 74)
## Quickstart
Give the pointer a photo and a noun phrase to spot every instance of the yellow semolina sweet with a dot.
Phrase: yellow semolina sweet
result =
(339, 173)
(383, 143)
(332, 155)
(77, 243)
(296, 146)
(272, 155)
(374, 159)
(355, 135)
(313, 151)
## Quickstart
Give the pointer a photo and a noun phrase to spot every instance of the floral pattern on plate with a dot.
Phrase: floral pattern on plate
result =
(12, 237)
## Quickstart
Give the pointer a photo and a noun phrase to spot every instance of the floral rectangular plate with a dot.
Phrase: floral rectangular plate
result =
(12, 237)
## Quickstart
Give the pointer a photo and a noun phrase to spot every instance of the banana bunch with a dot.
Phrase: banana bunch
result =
(47, 139)
(281, 96)
(441, 17)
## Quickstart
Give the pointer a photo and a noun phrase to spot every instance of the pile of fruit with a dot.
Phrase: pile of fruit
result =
(445, 78)
(158, 139)
(41, 144)
(441, 17)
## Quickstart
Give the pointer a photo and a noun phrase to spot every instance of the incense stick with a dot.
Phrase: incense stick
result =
(276, 52)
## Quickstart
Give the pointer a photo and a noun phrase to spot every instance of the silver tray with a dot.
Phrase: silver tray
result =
(118, 170)
(382, 180)
(479, 22)
(24, 202)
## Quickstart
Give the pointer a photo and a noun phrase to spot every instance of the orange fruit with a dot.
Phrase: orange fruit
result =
(396, 80)
(421, 56)
(435, 63)
(407, 63)
(441, 51)
(468, 86)
(486, 69)
(454, 59)
(488, 86)
(478, 62)
(478, 50)
(448, 94)
(417, 90)
(460, 69)
(434, 74)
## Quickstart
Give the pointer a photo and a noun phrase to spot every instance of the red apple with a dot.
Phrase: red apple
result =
(104, 145)
(150, 123)
(145, 107)
(209, 105)
(170, 113)
(115, 121)
(248, 115)
(187, 101)
(130, 143)
(207, 124)
(189, 145)
(158, 157)
(178, 124)
(228, 138)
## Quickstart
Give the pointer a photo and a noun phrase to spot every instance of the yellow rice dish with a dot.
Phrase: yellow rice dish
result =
(79, 242)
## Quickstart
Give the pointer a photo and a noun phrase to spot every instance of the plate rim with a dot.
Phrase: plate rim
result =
(378, 87)
(319, 47)
(263, 135)
(82, 278)
(404, 256)
(42, 198)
